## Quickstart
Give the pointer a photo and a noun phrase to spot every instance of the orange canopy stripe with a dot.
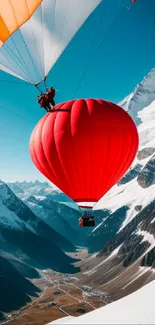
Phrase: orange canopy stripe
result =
(13, 14)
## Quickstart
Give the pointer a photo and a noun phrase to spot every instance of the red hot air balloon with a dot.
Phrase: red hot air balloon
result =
(84, 147)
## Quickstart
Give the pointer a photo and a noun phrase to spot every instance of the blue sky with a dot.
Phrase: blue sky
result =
(126, 56)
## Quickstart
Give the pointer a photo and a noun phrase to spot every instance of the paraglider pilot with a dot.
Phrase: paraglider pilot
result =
(47, 100)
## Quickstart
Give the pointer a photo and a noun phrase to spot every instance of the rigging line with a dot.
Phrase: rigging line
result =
(78, 9)
(65, 15)
(77, 12)
(33, 64)
(25, 46)
(16, 62)
(61, 32)
(38, 88)
(45, 82)
(131, 4)
(42, 40)
(16, 82)
(9, 110)
(12, 37)
(22, 60)
(52, 31)
(30, 21)
(99, 48)
(64, 19)
(75, 17)
(91, 48)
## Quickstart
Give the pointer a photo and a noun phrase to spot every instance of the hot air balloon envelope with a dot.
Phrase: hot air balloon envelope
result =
(34, 33)
(84, 147)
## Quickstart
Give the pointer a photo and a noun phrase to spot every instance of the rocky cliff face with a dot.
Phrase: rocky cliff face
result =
(147, 175)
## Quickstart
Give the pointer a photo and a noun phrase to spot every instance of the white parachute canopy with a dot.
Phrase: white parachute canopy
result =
(33, 49)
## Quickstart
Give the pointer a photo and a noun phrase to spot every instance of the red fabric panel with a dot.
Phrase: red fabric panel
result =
(85, 147)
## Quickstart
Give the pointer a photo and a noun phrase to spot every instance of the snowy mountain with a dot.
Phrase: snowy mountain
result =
(126, 261)
(27, 237)
(136, 308)
(40, 189)
(27, 218)
(142, 96)
(26, 243)
(137, 186)
(60, 217)
(63, 218)
(48, 204)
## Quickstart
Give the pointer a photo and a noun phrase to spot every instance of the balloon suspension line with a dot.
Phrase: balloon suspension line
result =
(45, 84)
(88, 66)
(29, 53)
(17, 82)
(15, 113)
(35, 43)
(20, 56)
(38, 88)
(129, 5)
(62, 28)
(17, 61)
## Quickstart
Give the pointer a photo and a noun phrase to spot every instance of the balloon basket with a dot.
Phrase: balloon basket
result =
(87, 220)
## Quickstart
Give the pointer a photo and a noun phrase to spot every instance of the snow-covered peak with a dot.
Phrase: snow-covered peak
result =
(27, 191)
(36, 186)
(7, 217)
(140, 104)
(147, 127)
(3, 190)
(142, 96)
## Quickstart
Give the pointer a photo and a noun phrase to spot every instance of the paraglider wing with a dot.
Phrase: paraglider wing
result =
(34, 33)
(84, 147)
